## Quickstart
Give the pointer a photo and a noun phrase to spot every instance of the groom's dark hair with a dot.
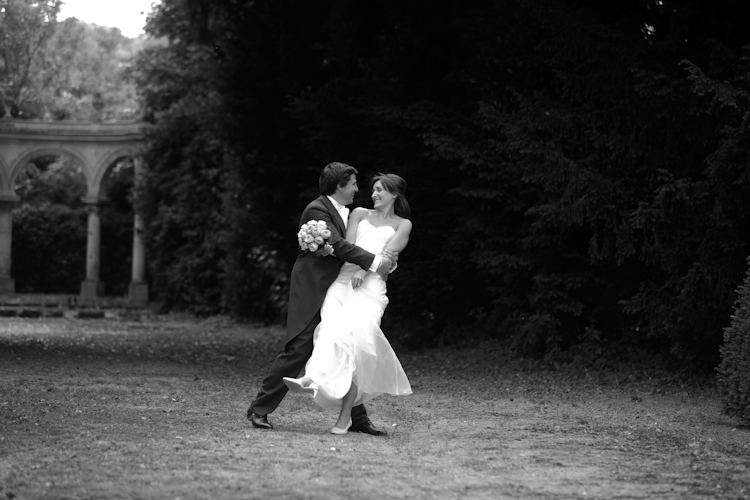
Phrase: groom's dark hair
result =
(333, 175)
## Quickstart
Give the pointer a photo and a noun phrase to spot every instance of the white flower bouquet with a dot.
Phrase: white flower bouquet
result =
(314, 235)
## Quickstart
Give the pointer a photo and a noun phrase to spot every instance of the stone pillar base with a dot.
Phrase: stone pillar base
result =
(91, 289)
(138, 293)
(7, 285)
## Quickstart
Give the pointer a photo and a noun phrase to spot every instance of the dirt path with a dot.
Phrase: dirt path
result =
(141, 410)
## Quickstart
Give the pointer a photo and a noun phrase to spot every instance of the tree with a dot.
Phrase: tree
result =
(25, 28)
(209, 244)
(574, 166)
(92, 81)
(63, 70)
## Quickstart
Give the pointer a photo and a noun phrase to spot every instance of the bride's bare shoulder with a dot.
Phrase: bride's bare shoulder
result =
(404, 224)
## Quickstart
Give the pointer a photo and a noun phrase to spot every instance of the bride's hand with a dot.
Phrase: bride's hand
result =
(358, 278)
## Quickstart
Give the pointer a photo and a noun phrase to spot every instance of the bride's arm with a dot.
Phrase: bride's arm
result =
(401, 238)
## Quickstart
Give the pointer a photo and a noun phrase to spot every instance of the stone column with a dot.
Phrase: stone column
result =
(138, 291)
(7, 284)
(138, 286)
(93, 287)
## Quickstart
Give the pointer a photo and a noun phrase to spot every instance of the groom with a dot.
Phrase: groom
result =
(312, 274)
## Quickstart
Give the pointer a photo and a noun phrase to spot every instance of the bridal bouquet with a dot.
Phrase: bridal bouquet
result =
(313, 235)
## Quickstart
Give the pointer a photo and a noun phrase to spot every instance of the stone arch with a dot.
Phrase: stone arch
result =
(93, 146)
(105, 165)
(33, 152)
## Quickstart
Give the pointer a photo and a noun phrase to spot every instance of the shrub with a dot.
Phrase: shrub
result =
(734, 369)
(49, 248)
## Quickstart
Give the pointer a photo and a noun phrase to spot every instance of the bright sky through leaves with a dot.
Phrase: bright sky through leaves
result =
(127, 15)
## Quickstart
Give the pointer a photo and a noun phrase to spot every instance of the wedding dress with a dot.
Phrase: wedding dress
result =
(349, 345)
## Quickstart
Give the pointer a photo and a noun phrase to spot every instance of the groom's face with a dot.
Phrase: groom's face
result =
(349, 190)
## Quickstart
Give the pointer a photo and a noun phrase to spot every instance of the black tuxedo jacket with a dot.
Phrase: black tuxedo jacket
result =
(312, 275)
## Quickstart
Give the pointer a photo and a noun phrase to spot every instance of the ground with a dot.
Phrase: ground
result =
(155, 409)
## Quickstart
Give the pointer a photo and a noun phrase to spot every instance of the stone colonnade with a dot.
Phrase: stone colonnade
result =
(96, 147)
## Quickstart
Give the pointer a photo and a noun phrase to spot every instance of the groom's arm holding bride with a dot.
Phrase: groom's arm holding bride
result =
(343, 249)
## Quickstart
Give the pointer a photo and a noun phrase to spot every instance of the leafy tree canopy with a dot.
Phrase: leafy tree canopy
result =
(576, 168)
(67, 70)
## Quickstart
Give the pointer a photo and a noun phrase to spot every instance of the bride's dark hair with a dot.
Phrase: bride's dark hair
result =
(395, 185)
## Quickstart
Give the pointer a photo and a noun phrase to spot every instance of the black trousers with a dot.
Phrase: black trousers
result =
(290, 363)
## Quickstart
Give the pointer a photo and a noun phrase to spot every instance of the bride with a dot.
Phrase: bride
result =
(352, 361)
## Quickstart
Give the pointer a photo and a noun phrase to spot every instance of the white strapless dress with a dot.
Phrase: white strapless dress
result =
(348, 343)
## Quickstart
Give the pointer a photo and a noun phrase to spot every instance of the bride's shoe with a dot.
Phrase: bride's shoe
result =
(336, 430)
(295, 385)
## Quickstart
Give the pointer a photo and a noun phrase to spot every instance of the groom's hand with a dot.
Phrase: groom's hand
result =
(385, 267)
(324, 251)
(393, 256)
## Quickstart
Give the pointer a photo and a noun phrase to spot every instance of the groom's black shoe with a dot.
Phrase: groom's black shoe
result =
(259, 421)
(366, 427)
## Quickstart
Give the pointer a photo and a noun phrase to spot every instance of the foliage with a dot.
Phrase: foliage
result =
(51, 179)
(116, 254)
(734, 371)
(49, 227)
(49, 248)
(576, 168)
(63, 70)
(91, 82)
(208, 243)
(25, 29)
(184, 238)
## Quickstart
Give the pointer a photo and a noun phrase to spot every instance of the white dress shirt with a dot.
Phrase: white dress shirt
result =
(342, 210)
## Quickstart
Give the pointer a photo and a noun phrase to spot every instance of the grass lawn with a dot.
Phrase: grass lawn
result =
(155, 409)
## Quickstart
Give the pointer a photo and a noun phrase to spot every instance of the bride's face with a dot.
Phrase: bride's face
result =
(380, 197)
